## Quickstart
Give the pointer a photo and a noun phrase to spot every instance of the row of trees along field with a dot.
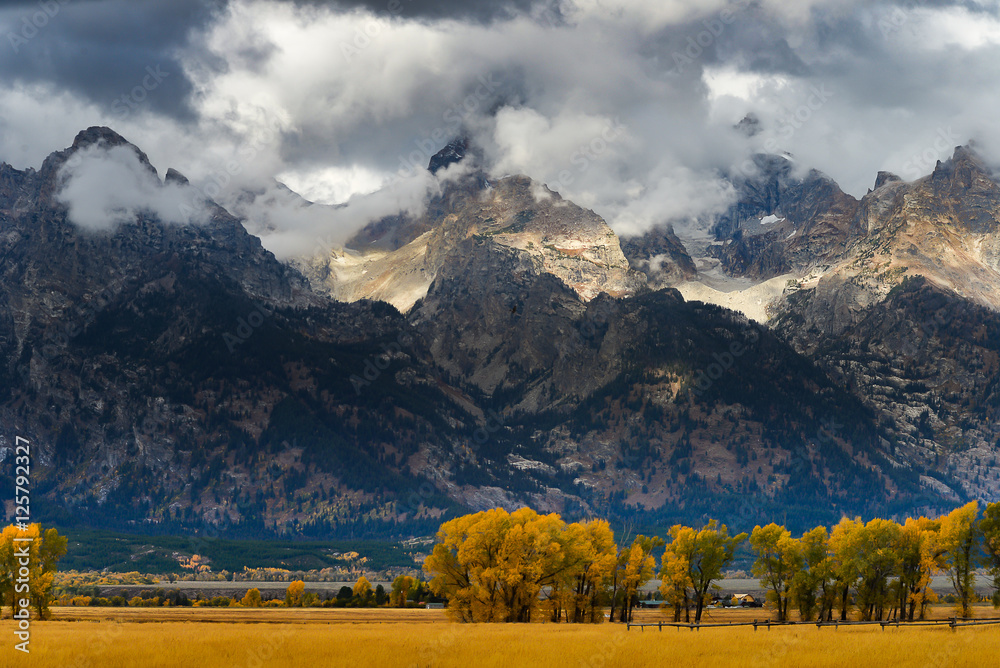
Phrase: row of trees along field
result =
(406, 592)
(496, 566)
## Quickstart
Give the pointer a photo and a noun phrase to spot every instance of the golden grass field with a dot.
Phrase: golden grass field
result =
(110, 638)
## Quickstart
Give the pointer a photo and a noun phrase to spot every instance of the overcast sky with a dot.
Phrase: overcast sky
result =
(624, 106)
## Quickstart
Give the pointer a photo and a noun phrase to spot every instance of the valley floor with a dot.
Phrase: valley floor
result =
(107, 638)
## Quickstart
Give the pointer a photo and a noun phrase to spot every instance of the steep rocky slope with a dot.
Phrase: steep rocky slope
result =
(176, 375)
(572, 244)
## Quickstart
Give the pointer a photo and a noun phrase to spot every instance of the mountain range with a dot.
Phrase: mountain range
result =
(810, 356)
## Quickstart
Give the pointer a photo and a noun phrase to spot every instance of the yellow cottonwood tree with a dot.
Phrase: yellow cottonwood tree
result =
(989, 527)
(252, 599)
(42, 549)
(493, 565)
(920, 557)
(675, 571)
(779, 558)
(713, 549)
(401, 588)
(844, 541)
(294, 594)
(636, 566)
(362, 588)
(960, 541)
(590, 553)
(812, 585)
(876, 559)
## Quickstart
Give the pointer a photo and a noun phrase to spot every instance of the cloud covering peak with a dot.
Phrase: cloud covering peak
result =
(627, 107)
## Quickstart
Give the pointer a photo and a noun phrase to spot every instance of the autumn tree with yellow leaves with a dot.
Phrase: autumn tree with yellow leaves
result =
(989, 529)
(960, 542)
(295, 594)
(692, 562)
(779, 558)
(494, 565)
(635, 567)
(919, 555)
(579, 592)
(252, 599)
(41, 551)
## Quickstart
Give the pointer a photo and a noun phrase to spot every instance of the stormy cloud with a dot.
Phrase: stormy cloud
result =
(625, 106)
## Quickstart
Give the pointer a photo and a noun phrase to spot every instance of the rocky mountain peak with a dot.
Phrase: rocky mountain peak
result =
(884, 178)
(93, 136)
(107, 138)
(573, 244)
(963, 170)
(173, 176)
(453, 153)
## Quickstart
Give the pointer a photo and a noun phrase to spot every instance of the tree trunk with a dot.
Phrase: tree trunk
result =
(614, 595)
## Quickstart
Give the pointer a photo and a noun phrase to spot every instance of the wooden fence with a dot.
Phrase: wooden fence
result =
(953, 622)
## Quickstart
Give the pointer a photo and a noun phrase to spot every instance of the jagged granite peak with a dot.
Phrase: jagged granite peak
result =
(939, 346)
(107, 138)
(173, 176)
(661, 256)
(782, 223)
(526, 341)
(884, 178)
(453, 153)
(220, 241)
(573, 244)
(749, 125)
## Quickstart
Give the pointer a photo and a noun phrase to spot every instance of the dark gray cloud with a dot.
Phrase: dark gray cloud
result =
(625, 106)
(101, 49)
(479, 10)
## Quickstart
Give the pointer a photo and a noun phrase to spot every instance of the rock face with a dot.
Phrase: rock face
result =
(782, 223)
(906, 314)
(572, 244)
(661, 256)
(651, 395)
(181, 375)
